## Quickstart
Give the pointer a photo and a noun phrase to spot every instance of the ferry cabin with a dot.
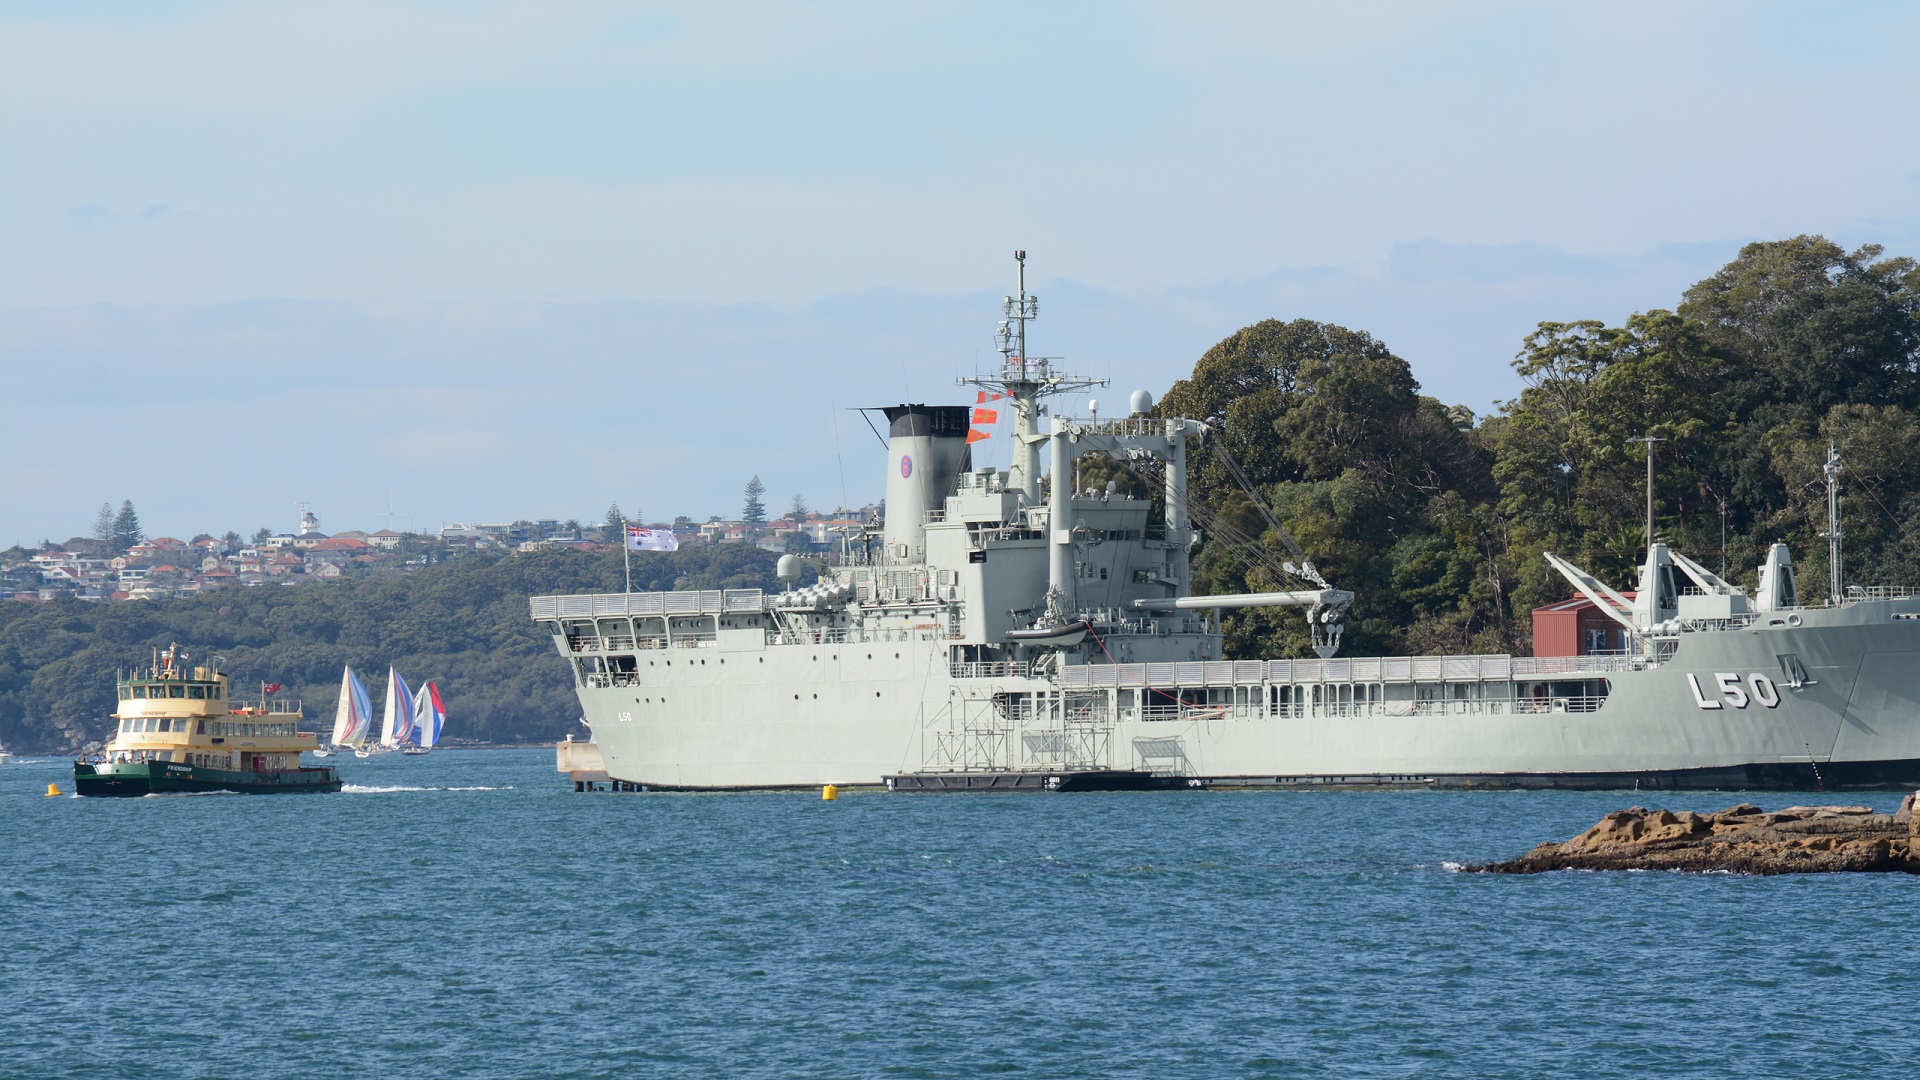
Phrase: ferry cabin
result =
(190, 719)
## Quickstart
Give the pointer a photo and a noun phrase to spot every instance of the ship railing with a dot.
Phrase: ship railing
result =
(1731, 622)
(991, 669)
(695, 640)
(843, 635)
(933, 517)
(700, 602)
(269, 707)
(1363, 669)
(1858, 593)
(1163, 710)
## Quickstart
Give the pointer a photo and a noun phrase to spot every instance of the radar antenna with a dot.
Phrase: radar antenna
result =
(1025, 380)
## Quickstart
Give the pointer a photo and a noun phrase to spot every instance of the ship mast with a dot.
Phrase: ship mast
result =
(1832, 535)
(1025, 380)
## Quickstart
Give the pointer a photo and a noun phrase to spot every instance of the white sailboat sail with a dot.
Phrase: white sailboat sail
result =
(353, 717)
(396, 727)
(429, 716)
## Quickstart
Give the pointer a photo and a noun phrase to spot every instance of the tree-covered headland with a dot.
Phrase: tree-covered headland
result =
(463, 622)
(1438, 521)
(1434, 517)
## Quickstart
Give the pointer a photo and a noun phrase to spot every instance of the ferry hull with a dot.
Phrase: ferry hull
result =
(136, 778)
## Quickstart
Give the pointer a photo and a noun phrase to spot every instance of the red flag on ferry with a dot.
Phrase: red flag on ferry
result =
(975, 435)
(270, 688)
(986, 416)
(986, 397)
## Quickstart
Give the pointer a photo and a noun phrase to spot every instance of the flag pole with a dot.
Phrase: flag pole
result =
(626, 552)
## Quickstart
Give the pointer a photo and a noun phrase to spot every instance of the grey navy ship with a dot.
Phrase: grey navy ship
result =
(998, 633)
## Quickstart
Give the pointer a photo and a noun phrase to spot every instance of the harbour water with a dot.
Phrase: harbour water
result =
(468, 914)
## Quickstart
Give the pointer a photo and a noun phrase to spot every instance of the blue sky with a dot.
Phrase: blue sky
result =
(513, 260)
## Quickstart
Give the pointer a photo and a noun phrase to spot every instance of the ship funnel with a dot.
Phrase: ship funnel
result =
(927, 451)
(1777, 591)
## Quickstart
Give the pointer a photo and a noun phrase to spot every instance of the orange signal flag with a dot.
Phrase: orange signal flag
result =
(975, 435)
(986, 416)
(985, 397)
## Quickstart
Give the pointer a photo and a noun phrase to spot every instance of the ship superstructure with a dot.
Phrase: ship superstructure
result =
(1008, 630)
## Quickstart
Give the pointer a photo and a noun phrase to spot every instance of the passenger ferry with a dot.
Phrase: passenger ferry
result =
(180, 731)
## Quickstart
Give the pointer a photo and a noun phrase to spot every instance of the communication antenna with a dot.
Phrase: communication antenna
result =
(1649, 440)
(1025, 380)
(1832, 535)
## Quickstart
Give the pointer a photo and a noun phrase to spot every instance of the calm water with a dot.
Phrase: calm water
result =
(468, 914)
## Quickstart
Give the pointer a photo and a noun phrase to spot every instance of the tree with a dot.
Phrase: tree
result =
(126, 527)
(232, 540)
(103, 529)
(753, 514)
(261, 535)
(610, 531)
(798, 509)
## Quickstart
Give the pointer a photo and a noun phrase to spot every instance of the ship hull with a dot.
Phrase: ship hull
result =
(136, 778)
(1722, 714)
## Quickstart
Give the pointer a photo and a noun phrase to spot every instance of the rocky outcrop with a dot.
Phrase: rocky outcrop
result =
(1742, 839)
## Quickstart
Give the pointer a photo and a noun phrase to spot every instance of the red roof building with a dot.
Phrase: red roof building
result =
(1577, 627)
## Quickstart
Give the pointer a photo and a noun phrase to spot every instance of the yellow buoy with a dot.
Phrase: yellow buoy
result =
(53, 790)
(829, 793)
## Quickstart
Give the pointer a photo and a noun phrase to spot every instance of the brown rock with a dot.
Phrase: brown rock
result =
(1742, 839)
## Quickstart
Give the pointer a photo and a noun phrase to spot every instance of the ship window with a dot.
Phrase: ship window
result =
(176, 690)
(199, 692)
(213, 692)
(140, 692)
(125, 693)
(203, 728)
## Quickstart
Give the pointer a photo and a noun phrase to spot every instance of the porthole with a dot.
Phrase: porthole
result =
(876, 693)
(816, 697)
(796, 697)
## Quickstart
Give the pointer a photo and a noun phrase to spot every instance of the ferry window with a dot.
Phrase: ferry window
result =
(140, 692)
(213, 692)
(176, 690)
(125, 693)
(196, 692)
(123, 726)
(203, 728)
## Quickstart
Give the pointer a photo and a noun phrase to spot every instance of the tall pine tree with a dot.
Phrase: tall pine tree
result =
(754, 513)
(126, 528)
(103, 529)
